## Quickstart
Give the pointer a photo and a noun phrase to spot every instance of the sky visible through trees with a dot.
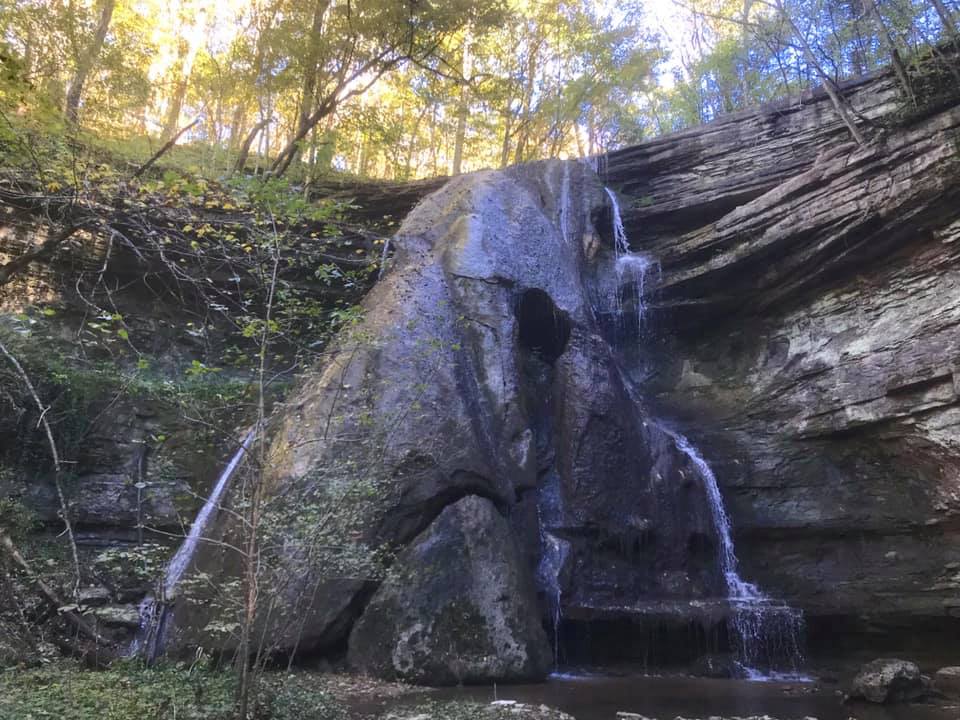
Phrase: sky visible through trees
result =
(400, 89)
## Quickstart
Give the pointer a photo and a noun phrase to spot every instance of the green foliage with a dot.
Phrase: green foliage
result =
(132, 565)
(122, 693)
(15, 517)
(298, 697)
(127, 691)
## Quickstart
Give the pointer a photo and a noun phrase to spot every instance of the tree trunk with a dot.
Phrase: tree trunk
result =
(412, 145)
(86, 62)
(308, 91)
(526, 112)
(289, 152)
(166, 146)
(237, 123)
(172, 122)
(433, 140)
(886, 39)
(507, 131)
(247, 144)
(462, 108)
(833, 92)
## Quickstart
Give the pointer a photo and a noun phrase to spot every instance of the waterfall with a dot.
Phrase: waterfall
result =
(383, 259)
(153, 614)
(565, 203)
(620, 244)
(765, 634)
(630, 268)
(553, 553)
(181, 560)
(737, 589)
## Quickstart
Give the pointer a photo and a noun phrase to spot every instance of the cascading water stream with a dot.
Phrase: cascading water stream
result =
(383, 259)
(631, 268)
(553, 553)
(621, 245)
(766, 634)
(150, 633)
(564, 209)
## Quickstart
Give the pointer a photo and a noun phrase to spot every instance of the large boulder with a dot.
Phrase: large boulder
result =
(481, 365)
(458, 607)
(887, 680)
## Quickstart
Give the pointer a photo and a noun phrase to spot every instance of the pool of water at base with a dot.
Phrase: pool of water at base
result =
(599, 697)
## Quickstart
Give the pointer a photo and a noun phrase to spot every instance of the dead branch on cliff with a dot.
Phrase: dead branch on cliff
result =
(57, 466)
(47, 592)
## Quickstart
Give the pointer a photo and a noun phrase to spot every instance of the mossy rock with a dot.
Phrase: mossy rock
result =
(458, 607)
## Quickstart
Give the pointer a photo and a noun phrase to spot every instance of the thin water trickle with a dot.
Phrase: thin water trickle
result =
(553, 554)
(632, 270)
(149, 634)
(565, 203)
(620, 243)
(766, 634)
(383, 259)
(181, 560)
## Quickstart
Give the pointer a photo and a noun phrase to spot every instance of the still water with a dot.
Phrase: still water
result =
(597, 697)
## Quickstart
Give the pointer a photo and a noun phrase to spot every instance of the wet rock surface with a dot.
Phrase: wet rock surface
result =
(458, 607)
(805, 337)
(887, 680)
(480, 368)
(802, 334)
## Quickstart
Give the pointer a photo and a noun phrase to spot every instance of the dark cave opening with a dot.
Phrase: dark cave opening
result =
(543, 329)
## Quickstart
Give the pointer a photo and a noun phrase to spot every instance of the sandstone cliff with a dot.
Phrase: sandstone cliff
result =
(806, 331)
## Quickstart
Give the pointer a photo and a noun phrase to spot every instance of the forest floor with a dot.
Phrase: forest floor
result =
(128, 691)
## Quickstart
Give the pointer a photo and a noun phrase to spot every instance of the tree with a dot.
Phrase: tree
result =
(360, 43)
(86, 61)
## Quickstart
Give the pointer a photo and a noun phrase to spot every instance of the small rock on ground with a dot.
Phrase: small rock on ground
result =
(947, 681)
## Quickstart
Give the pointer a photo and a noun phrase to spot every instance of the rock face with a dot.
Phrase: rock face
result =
(805, 335)
(887, 681)
(481, 367)
(457, 607)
